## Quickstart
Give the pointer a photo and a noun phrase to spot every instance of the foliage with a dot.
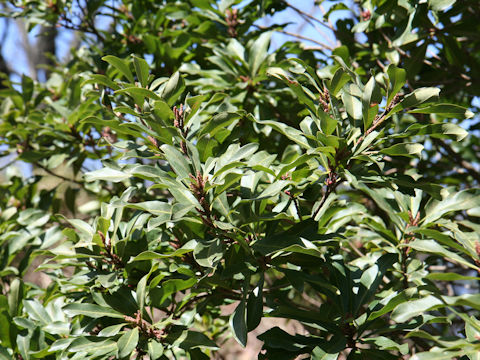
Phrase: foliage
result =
(287, 183)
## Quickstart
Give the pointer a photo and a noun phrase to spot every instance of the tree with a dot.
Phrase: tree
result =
(194, 167)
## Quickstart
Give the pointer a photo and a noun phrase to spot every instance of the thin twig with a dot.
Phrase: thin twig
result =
(458, 159)
(310, 19)
(330, 189)
(325, 46)
(50, 172)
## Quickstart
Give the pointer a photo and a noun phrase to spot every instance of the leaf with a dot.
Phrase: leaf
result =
(173, 89)
(301, 92)
(434, 130)
(353, 105)
(141, 292)
(112, 330)
(155, 349)
(27, 88)
(437, 354)
(219, 122)
(15, 296)
(102, 80)
(258, 52)
(385, 343)
(152, 255)
(273, 189)
(449, 277)
(138, 92)
(238, 323)
(91, 310)
(255, 306)
(432, 247)
(23, 344)
(37, 311)
(403, 149)
(127, 342)
(172, 286)
(82, 344)
(142, 70)
(208, 253)
(415, 98)
(440, 5)
(177, 161)
(446, 110)
(371, 97)
(392, 303)
(456, 201)
(340, 78)
(192, 339)
(106, 174)
(120, 65)
(397, 79)
(413, 308)
(290, 132)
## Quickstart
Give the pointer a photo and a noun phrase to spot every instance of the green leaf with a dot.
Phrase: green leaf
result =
(112, 330)
(446, 110)
(141, 292)
(219, 122)
(15, 296)
(413, 308)
(397, 79)
(352, 102)
(302, 94)
(176, 160)
(340, 78)
(138, 92)
(208, 253)
(23, 344)
(92, 346)
(106, 174)
(415, 98)
(155, 349)
(434, 130)
(142, 70)
(121, 66)
(432, 247)
(102, 80)
(371, 97)
(173, 89)
(453, 201)
(273, 189)
(192, 339)
(255, 306)
(172, 286)
(437, 354)
(127, 342)
(450, 277)
(258, 52)
(27, 88)
(91, 310)
(152, 255)
(440, 5)
(238, 324)
(37, 311)
(403, 149)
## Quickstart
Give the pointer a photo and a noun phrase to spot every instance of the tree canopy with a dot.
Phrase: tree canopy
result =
(191, 181)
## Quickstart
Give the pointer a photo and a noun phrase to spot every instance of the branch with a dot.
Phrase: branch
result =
(457, 158)
(380, 119)
(324, 46)
(310, 19)
(330, 189)
(50, 172)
